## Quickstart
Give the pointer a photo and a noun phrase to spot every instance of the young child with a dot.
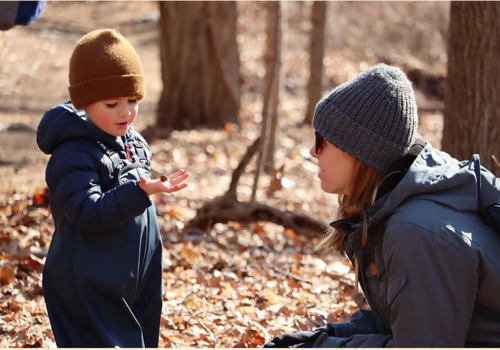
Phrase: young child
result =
(102, 280)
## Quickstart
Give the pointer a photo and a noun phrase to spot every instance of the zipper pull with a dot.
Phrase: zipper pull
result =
(129, 156)
(356, 272)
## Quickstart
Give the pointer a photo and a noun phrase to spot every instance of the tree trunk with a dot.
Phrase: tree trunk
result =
(277, 90)
(472, 95)
(317, 51)
(200, 64)
(272, 48)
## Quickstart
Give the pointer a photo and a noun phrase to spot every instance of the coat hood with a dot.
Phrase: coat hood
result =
(437, 177)
(62, 123)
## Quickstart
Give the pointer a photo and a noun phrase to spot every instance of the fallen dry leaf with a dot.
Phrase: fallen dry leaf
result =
(7, 274)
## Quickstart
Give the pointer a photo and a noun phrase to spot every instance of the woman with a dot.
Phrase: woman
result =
(408, 220)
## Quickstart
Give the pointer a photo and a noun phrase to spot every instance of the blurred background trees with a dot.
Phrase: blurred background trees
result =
(200, 64)
(316, 56)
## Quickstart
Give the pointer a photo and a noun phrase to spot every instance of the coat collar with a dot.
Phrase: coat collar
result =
(396, 172)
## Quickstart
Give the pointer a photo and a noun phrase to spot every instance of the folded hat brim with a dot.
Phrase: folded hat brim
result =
(100, 89)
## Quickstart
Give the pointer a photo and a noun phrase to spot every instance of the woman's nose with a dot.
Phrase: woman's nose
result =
(312, 152)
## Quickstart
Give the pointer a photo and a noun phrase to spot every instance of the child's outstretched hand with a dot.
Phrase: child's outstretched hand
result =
(170, 184)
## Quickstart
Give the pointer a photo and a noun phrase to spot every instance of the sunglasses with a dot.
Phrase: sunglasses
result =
(319, 140)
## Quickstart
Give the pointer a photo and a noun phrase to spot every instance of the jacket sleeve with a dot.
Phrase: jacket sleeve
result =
(361, 322)
(431, 291)
(363, 330)
(74, 182)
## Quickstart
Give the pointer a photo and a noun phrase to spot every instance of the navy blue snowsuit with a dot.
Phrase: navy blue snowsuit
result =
(102, 280)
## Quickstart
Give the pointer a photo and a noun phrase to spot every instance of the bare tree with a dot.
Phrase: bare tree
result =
(278, 88)
(317, 51)
(272, 52)
(227, 207)
(472, 93)
(200, 64)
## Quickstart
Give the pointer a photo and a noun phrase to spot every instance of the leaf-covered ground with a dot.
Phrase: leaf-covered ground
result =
(232, 286)
(235, 285)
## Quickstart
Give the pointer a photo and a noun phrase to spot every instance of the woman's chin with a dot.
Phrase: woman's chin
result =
(326, 188)
(330, 189)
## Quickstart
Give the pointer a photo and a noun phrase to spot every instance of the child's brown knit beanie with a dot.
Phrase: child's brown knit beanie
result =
(104, 65)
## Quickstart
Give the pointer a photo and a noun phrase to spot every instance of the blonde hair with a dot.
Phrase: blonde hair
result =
(362, 191)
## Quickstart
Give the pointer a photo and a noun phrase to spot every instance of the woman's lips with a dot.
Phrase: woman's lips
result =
(321, 171)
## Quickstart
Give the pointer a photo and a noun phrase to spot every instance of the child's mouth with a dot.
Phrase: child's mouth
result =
(122, 125)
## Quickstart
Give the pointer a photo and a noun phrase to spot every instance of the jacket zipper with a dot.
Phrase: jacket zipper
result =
(366, 290)
(356, 272)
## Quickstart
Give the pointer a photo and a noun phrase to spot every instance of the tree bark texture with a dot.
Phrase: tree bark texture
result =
(317, 52)
(200, 64)
(472, 93)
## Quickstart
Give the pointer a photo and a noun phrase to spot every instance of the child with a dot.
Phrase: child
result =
(102, 280)
(409, 222)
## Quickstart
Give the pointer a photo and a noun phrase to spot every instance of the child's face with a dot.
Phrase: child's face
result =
(114, 116)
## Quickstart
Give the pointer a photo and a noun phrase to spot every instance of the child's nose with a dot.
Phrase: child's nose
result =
(126, 111)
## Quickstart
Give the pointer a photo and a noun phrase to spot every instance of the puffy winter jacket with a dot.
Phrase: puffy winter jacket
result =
(102, 280)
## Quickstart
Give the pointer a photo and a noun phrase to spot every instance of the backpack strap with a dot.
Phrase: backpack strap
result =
(119, 166)
(140, 149)
(118, 163)
(133, 166)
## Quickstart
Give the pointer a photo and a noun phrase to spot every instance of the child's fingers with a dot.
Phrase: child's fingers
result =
(179, 179)
(173, 177)
(178, 187)
(174, 188)
(176, 174)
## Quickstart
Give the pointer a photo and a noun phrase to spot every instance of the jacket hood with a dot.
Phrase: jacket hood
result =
(437, 177)
(62, 123)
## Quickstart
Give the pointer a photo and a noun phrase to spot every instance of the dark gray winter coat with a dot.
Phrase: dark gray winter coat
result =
(437, 276)
(102, 280)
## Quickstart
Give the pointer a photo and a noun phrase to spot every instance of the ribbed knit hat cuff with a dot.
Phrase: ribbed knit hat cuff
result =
(355, 139)
(106, 88)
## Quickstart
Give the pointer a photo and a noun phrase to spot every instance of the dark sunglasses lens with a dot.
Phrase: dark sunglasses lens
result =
(319, 141)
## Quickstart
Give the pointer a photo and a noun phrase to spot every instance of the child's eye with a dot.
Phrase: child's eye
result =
(111, 105)
(132, 101)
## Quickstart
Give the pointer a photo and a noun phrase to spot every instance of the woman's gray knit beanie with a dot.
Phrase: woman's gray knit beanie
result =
(372, 117)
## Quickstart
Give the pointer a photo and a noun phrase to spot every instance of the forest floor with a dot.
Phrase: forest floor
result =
(237, 285)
